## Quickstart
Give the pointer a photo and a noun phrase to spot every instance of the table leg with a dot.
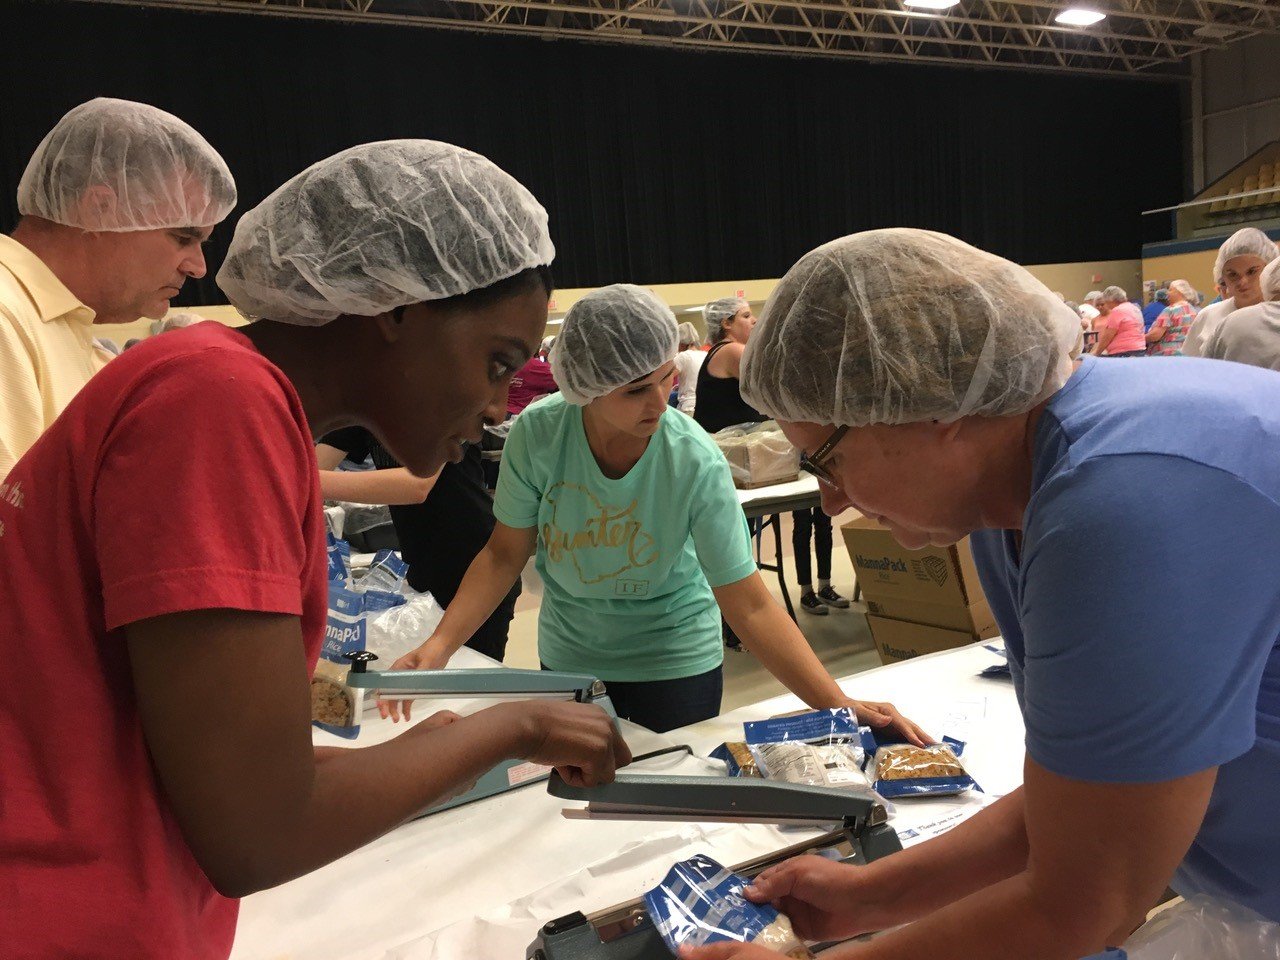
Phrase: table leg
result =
(776, 520)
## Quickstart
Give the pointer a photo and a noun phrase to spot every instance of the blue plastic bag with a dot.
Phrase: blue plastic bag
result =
(700, 902)
(335, 706)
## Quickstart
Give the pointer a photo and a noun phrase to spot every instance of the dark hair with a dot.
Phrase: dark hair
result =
(512, 286)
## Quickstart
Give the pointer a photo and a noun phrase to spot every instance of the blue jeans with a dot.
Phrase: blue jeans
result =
(662, 705)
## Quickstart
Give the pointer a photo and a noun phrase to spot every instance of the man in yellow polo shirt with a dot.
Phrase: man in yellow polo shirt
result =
(115, 202)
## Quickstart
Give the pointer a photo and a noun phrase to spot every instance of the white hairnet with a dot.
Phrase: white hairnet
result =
(688, 335)
(611, 337)
(1092, 295)
(718, 311)
(154, 171)
(1249, 242)
(1115, 293)
(1271, 281)
(380, 226)
(1185, 288)
(898, 326)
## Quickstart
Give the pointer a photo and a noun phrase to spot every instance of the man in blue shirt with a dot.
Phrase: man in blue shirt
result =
(1154, 308)
(937, 388)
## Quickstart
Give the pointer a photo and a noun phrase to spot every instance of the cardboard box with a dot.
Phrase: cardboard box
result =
(887, 572)
(900, 640)
(976, 619)
(758, 458)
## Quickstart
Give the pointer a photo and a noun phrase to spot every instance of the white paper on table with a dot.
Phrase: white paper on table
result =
(627, 875)
(941, 814)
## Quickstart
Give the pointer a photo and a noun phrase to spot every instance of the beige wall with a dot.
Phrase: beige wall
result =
(1196, 268)
(1073, 279)
(1076, 279)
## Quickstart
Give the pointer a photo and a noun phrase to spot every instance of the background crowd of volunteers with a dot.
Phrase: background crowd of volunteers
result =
(398, 296)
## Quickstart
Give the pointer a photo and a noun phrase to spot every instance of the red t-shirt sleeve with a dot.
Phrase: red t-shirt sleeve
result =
(201, 491)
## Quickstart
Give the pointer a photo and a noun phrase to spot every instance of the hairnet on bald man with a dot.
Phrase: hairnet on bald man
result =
(899, 326)
(611, 337)
(381, 226)
(115, 165)
(1249, 242)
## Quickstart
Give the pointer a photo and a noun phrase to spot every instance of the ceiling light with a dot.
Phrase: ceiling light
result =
(930, 4)
(1079, 17)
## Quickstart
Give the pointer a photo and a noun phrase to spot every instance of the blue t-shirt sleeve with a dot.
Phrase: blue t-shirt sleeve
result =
(519, 495)
(720, 535)
(1149, 607)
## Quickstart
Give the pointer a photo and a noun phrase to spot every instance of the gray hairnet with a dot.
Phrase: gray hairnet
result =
(611, 337)
(1270, 281)
(899, 326)
(1115, 293)
(380, 226)
(1249, 242)
(160, 173)
(718, 311)
(1185, 288)
(1092, 295)
(688, 335)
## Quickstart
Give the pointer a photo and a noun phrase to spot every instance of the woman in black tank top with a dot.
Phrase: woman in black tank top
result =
(719, 401)
(719, 404)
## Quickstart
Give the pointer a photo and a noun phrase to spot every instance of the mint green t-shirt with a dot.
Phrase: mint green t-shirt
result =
(628, 564)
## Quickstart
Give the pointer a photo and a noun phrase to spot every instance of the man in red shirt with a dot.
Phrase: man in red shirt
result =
(162, 570)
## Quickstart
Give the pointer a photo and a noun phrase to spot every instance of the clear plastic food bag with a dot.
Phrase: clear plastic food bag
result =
(700, 902)
(1201, 928)
(393, 633)
(905, 770)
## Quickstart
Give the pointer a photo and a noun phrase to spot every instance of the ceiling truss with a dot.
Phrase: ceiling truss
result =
(1138, 38)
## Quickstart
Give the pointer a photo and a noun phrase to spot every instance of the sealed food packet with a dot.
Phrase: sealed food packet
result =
(335, 706)
(837, 725)
(831, 765)
(339, 553)
(700, 902)
(905, 770)
(819, 748)
(737, 758)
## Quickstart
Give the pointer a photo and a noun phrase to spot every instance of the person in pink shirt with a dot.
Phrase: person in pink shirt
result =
(531, 381)
(1119, 326)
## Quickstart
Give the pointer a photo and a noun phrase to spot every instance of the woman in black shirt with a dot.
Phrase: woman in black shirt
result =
(720, 405)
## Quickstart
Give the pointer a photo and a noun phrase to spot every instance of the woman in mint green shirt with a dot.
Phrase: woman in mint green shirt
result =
(641, 541)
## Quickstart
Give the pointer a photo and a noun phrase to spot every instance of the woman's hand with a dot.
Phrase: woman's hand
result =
(432, 655)
(885, 717)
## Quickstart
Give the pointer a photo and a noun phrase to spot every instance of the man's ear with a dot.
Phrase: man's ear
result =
(391, 325)
(97, 207)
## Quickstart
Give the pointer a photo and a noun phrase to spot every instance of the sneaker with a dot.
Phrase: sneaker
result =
(810, 603)
(832, 599)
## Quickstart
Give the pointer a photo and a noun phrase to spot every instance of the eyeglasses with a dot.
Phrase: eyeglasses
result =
(814, 466)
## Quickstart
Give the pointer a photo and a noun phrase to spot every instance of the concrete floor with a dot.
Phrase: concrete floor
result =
(840, 639)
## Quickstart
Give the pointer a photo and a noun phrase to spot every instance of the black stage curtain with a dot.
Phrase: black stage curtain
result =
(656, 165)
